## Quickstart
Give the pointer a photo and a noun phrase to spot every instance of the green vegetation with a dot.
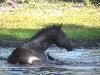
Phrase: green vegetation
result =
(78, 23)
(95, 2)
(86, 2)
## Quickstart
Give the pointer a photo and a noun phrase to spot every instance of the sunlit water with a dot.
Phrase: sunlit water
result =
(77, 62)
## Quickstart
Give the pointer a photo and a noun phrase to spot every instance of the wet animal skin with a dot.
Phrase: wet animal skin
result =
(32, 52)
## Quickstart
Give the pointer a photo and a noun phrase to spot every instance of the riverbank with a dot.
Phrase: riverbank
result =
(19, 23)
(76, 44)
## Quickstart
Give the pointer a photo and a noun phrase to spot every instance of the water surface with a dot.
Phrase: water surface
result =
(77, 62)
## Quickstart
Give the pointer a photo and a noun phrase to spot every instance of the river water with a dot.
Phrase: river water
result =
(78, 62)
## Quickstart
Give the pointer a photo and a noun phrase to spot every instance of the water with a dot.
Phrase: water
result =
(77, 62)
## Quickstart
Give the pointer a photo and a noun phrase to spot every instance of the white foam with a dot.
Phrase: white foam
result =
(32, 58)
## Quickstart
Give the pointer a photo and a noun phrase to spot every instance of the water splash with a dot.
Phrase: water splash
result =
(77, 62)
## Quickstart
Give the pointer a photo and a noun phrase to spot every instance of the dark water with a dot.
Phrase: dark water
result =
(77, 62)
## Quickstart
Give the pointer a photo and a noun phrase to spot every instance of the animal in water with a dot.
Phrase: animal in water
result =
(32, 52)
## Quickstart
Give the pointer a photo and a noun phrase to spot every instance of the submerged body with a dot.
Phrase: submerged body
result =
(32, 52)
(27, 56)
